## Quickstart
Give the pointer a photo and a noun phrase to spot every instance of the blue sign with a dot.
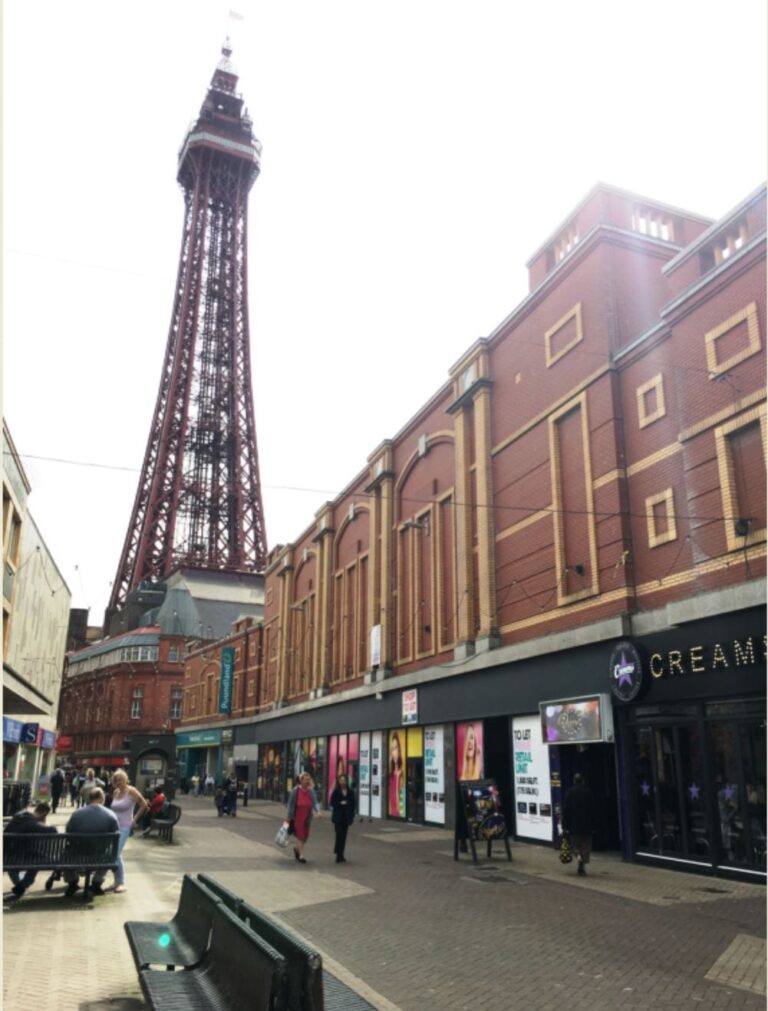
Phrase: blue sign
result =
(11, 730)
(49, 740)
(227, 677)
(29, 733)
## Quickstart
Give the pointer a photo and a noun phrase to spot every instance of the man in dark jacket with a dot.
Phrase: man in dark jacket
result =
(57, 787)
(94, 818)
(579, 820)
(23, 823)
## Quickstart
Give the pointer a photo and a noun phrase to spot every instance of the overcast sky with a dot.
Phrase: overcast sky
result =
(415, 155)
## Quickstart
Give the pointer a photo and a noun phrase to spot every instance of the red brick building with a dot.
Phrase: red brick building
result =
(572, 529)
(121, 701)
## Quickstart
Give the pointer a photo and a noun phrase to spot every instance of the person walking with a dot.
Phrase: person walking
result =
(24, 823)
(230, 795)
(57, 787)
(302, 804)
(74, 788)
(90, 783)
(579, 820)
(92, 819)
(343, 806)
(124, 799)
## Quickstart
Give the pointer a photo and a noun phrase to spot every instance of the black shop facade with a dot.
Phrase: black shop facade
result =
(677, 763)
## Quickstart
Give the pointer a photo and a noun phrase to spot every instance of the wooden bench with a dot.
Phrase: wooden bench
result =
(49, 851)
(164, 824)
(238, 972)
(310, 987)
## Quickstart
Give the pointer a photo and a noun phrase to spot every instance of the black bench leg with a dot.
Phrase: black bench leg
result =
(87, 886)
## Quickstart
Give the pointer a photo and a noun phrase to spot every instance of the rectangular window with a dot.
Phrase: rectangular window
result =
(138, 695)
(740, 446)
(173, 654)
(176, 697)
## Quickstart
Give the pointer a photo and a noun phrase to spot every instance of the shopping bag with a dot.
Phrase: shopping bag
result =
(281, 839)
(566, 853)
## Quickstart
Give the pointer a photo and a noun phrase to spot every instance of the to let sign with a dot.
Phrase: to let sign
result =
(410, 706)
(227, 676)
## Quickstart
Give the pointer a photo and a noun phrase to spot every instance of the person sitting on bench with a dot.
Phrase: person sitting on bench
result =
(92, 819)
(155, 810)
(26, 822)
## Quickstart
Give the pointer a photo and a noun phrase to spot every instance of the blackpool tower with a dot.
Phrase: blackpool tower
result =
(198, 501)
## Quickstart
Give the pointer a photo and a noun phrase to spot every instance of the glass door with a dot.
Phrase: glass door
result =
(670, 795)
(738, 756)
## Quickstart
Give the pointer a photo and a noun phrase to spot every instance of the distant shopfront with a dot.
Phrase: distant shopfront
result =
(204, 752)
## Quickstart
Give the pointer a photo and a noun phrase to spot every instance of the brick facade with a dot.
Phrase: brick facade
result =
(120, 688)
(600, 454)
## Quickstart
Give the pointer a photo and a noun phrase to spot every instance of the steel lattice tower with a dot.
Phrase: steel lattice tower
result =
(199, 498)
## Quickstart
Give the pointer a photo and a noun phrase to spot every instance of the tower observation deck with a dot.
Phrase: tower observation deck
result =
(198, 502)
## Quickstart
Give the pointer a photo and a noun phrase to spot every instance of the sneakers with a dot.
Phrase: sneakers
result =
(145, 833)
(341, 860)
(72, 887)
(120, 888)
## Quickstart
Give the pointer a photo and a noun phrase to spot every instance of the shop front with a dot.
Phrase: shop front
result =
(271, 779)
(694, 746)
(199, 754)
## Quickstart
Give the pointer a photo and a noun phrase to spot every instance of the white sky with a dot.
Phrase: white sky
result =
(415, 155)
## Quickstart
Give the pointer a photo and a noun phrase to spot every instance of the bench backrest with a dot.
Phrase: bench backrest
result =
(194, 916)
(249, 971)
(48, 849)
(171, 813)
(305, 965)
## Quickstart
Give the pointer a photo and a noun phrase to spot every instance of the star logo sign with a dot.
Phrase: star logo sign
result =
(694, 791)
(624, 671)
(645, 789)
(728, 792)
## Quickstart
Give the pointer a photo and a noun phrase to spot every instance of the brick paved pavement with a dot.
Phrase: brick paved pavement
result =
(409, 927)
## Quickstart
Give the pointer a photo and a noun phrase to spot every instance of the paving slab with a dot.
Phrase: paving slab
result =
(407, 926)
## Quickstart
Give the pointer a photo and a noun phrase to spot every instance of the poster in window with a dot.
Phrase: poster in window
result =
(364, 772)
(377, 773)
(434, 776)
(533, 796)
(396, 774)
(469, 750)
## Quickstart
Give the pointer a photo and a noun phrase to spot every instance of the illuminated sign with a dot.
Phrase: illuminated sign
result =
(577, 721)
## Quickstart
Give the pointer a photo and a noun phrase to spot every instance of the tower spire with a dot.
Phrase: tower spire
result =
(198, 502)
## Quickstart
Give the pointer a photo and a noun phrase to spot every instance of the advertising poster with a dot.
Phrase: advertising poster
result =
(396, 774)
(364, 793)
(377, 766)
(333, 764)
(533, 797)
(434, 777)
(482, 807)
(469, 750)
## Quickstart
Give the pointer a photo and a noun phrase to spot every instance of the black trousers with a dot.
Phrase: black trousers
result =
(341, 839)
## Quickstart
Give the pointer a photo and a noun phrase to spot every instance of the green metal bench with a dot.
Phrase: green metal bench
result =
(182, 941)
(238, 972)
(310, 987)
(61, 851)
